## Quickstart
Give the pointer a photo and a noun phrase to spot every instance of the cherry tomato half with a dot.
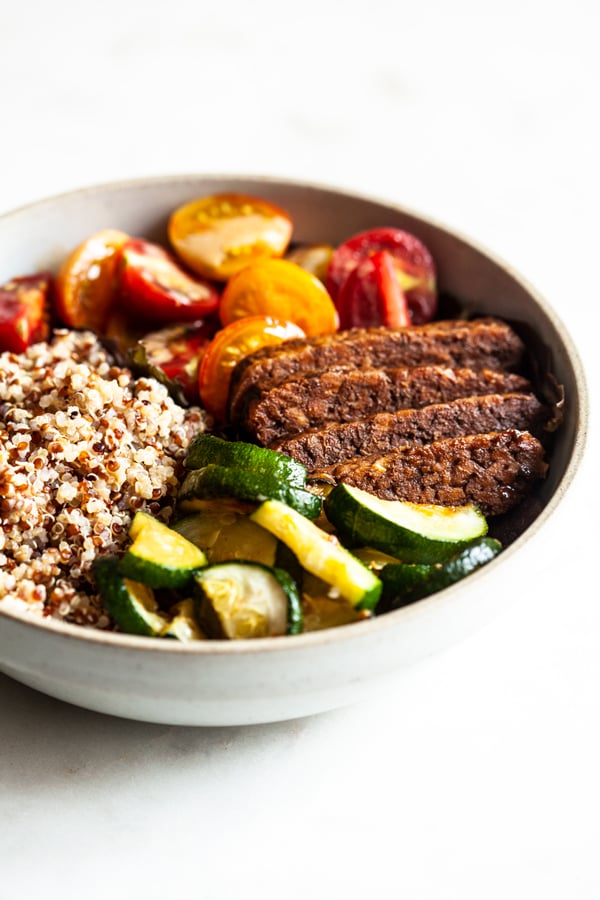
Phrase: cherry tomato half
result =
(231, 344)
(277, 287)
(217, 236)
(414, 265)
(175, 353)
(371, 295)
(24, 313)
(154, 285)
(86, 281)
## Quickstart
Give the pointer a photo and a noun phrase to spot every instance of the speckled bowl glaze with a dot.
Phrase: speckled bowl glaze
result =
(234, 683)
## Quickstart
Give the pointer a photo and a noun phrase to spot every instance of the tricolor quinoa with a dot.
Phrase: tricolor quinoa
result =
(83, 445)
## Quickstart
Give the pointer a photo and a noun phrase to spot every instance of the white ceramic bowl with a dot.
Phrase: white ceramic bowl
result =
(217, 683)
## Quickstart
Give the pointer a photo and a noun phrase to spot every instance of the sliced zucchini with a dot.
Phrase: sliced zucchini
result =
(320, 553)
(409, 531)
(183, 625)
(405, 583)
(207, 449)
(220, 481)
(242, 599)
(132, 605)
(225, 535)
(159, 556)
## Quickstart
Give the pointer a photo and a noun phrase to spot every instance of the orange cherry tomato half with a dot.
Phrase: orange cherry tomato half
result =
(86, 281)
(153, 285)
(277, 287)
(228, 347)
(371, 295)
(217, 236)
(24, 313)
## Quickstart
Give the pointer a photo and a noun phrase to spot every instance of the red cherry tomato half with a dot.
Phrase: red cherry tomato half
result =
(176, 352)
(153, 285)
(415, 267)
(371, 295)
(24, 312)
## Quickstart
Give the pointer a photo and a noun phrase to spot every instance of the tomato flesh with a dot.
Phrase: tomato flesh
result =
(371, 295)
(176, 351)
(154, 285)
(216, 236)
(279, 288)
(86, 281)
(228, 347)
(24, 312)
(414, 265)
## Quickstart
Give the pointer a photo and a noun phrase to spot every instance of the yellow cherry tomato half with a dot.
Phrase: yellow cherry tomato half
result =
(277, 287)
(228, 347)
(217, 236)
(87, 280)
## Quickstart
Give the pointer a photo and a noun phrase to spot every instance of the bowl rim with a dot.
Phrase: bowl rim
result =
(295, 643)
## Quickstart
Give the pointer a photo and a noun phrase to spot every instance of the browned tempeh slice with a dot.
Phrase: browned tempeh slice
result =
(342, 395)
(386, 431)
(483, 343)
(495, 471)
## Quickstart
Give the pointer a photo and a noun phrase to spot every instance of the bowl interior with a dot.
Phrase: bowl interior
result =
(40, 235)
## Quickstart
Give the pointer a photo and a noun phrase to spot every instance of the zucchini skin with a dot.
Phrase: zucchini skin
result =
(207, 449)
(404, 583)
(119, 599)
(215, 481)
(159, 556)
(361, 526)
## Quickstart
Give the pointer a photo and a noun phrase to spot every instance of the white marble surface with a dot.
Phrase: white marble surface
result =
(475, 775)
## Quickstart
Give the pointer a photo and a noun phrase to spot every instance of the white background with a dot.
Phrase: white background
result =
(476, 775)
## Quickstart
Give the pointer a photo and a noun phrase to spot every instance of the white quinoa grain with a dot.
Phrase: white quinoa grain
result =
(83, 445)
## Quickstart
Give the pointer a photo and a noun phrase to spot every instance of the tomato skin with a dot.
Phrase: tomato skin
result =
(414, 265)
(24, 311)
(218, 235)
(228, 347)
(153, 284)
(176, 352)
(86, 281)
(277, 287)
(371, 295)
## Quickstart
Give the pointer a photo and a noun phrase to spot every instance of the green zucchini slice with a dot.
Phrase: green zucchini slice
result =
(159, 556)
(132, 605)
(207, 449)
(226, 535)
(420, 533)
(405, 583)
(220, 481)
(320, 553)
(243, 599)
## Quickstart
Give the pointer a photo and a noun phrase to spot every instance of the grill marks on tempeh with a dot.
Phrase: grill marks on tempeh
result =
(431, 414)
